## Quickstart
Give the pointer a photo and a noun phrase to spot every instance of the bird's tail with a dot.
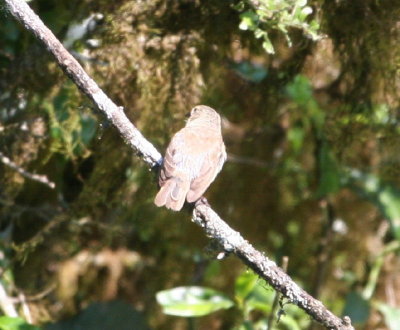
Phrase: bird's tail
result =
(172, 194)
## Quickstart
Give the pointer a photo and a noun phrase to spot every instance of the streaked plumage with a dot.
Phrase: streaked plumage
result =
(193, 159)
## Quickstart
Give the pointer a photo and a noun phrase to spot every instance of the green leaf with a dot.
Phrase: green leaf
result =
(55, 132)
(267, 45)
(15, 323)
(248, 21)
(260, 298)
(278, 15)
(258, 33)
(253, 293)
(192, 301)
(382, 115)
(391, 315)
(243, 25)
(245, 284)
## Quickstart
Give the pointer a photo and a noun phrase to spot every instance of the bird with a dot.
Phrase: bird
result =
(192, 160)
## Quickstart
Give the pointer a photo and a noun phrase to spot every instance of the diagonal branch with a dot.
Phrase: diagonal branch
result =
(203, 215)
(35, 177)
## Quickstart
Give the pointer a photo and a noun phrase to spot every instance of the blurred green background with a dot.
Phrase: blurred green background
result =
(309, 93)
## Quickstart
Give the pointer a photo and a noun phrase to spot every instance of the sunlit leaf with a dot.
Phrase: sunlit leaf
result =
(277, 15)
(259, 33)
(248, 20)
(382, 114)
(192, 301)
(267, 45)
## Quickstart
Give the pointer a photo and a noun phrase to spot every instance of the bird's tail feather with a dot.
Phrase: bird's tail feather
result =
(172, 194)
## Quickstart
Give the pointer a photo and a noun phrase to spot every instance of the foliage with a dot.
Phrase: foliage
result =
(71, 130)
(333, 176)
(263, 16)
(255, 296)
(385, 196)
(251, 295)
(358, 304)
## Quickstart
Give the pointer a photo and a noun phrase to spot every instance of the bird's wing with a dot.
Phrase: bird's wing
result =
(173, 158)
(174, 180)
(212, 161)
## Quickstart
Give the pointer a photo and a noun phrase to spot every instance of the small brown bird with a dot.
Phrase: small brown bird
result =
(193, 159)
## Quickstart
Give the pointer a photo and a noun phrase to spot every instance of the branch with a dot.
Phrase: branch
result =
(203, 215)
(35, 177)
